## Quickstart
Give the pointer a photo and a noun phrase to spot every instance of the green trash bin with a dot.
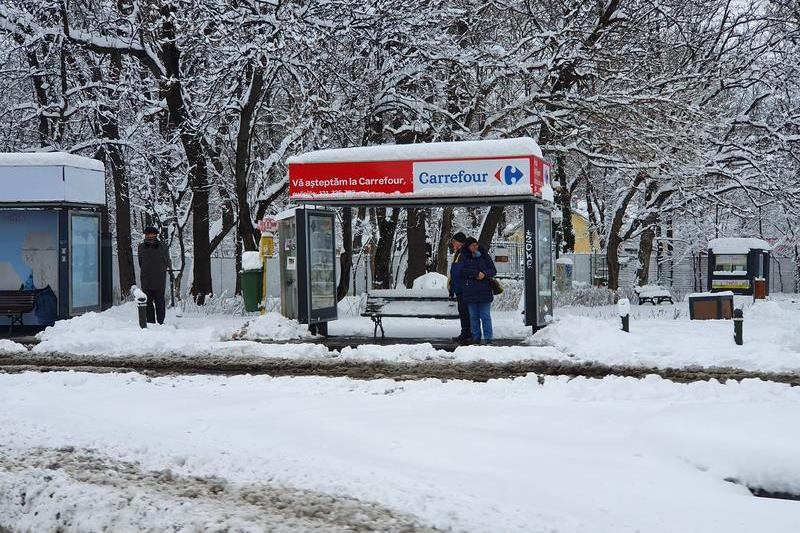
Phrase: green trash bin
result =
(252, 285)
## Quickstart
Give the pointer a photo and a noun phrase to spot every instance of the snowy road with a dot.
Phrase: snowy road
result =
(614, 455)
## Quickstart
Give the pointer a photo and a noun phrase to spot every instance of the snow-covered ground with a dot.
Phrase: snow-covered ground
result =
(660, 336)
(603, 456)
(663, 336)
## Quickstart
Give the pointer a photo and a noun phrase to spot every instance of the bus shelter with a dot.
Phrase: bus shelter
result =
(469, 173)
(54, 239)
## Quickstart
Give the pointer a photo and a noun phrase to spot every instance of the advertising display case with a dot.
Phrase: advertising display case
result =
(538, 263)
(306, 240)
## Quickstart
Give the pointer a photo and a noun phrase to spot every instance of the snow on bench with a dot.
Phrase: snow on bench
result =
(655, 294)
(413, 303)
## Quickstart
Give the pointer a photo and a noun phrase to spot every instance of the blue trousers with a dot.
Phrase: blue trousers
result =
(481, 314)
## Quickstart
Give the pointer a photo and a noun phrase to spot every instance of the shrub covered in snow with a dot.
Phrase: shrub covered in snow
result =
(589, 297)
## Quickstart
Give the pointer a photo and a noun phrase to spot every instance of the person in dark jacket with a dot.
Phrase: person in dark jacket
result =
(477, 272)
(456, 286)
(154, 262)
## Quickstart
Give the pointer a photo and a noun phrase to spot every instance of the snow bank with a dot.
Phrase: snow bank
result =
(768, 345)
(116, 332)
(273, 326)
(11, 347)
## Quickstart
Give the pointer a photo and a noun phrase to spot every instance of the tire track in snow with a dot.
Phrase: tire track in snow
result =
(68, 489)
(480, 371)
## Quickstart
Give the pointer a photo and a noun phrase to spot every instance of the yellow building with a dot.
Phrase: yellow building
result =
(580, 225)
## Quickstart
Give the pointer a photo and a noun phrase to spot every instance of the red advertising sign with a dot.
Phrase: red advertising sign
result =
(470, 169)
(448, 177)
(381, 177)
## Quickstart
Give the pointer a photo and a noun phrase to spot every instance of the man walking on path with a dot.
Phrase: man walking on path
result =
(456, 286)
(154, 262)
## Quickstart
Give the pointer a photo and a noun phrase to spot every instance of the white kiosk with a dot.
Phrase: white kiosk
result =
(54, 238)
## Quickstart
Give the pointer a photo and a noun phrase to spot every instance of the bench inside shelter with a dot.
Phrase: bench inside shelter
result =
(655, 294)
(14, 304)
(410, 303)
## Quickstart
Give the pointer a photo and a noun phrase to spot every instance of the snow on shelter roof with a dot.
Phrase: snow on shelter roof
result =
(737, 245)
(424, 151)
(51, 178)
(49, 159)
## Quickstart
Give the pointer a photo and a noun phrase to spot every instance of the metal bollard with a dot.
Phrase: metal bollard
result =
(624, 310)
(141, 304)
(738, 323)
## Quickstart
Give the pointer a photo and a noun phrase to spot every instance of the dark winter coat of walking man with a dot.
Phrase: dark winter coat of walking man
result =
(456, 286)
(478, 271)
(154, 262)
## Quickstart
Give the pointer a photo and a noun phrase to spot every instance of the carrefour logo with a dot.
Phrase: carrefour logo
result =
(509, 174)
(471, 173)
(462, 176)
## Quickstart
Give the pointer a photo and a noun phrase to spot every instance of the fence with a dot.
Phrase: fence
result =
(685, 274)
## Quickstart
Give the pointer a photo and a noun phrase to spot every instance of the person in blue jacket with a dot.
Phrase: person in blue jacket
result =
(477, 271)
(456, 286)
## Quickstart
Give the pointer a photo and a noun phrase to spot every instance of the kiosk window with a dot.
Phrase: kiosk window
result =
(729, 263)
(322, 270)
(85, 261)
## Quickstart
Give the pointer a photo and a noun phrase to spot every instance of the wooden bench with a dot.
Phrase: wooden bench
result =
(14, 304)
(408, 303)
(655, 294)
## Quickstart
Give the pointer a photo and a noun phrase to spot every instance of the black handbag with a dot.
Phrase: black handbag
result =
(496, 287)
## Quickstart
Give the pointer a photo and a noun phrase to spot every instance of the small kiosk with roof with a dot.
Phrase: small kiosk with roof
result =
(739, 265)
(54, 247)
(469, 173)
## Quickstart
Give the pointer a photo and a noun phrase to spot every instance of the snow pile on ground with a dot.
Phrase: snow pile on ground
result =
(425, 352)
(615, 455)
(770, 340)
(273, 327)
(116, 332)
(429, 281)
(11, 347)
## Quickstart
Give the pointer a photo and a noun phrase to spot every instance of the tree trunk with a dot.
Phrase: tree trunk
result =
(490, 225)
(346, 257)
(612, 260)
(645, 252)
(615, 231)
(564, 201)
(108, 123)
(242, 162)
(444, 240)
(417, 246)
(383, 251)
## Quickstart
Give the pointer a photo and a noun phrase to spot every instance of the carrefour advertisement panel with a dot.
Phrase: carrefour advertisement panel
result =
(523, 175)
